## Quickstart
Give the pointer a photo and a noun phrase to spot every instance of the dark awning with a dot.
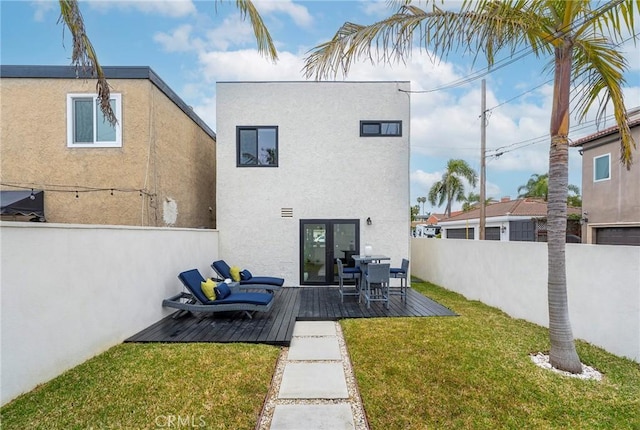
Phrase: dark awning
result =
(22, 203)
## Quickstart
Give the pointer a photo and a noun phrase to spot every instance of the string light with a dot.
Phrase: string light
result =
(58, 188)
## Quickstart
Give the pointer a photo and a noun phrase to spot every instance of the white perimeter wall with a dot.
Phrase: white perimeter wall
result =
(326, 170)
(70, 292)
(603, 284)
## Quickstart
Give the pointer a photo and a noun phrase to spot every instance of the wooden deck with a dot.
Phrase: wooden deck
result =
(276, 326)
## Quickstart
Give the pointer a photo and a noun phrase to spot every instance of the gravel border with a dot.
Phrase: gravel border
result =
(588, 372)
(354, 400)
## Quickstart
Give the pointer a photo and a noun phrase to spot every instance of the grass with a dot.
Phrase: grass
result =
(214, 386)
(470, 371)
(474, 371)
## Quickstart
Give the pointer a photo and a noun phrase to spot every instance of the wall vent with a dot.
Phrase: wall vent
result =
(286, 212)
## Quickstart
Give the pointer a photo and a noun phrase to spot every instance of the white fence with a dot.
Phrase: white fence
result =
(603, 284)
(70, 292)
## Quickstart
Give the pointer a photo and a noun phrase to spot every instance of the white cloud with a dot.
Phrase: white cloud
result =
(171, 8)
(234, 31)
(42, 8)
(298, 13)
(179, 40)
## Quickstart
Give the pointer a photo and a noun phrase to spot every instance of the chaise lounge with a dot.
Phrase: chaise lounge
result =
(229, 297)
(224, 272)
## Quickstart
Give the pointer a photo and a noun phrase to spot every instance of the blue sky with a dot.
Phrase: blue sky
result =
(193, 44)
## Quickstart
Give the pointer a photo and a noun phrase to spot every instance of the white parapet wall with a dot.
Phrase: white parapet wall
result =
(70, 292)
(603, 284)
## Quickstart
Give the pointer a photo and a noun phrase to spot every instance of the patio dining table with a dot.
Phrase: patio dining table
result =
(365, 289)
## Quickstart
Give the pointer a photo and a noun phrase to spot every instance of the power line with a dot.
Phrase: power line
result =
(523, 52)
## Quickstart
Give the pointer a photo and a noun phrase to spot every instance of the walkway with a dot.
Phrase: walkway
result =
(313, 387)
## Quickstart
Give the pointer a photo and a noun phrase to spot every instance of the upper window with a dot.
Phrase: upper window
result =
(257, 146)
(86, 124)
(380, 128)
(602, 168)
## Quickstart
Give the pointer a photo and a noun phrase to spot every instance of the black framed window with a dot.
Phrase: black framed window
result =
(380, 128)
(257, 146)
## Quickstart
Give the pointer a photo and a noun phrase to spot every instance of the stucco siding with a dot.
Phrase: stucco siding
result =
(325, 169)
(164, 153)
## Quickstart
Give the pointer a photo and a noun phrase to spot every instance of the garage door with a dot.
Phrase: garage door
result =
(460, 233)
(618, 236)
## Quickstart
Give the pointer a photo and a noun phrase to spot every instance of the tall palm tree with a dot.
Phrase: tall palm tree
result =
(451, 186)
(84, 56)
(583, 38)
(422, 200)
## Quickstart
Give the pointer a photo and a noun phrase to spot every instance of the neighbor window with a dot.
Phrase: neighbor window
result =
(602, 168)
(86, 124)
(380, 128)
(257, 146)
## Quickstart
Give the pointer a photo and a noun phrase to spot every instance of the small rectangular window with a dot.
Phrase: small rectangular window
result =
(86, 124)
(257, 146)
(602, 168)
(380, 128)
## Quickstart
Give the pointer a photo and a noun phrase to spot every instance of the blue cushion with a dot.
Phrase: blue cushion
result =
(251, 298)
(192, 279)
(351, 270)
(222, 291)
(396, 270)
(222, 268)
(265, 280)
(245, 274)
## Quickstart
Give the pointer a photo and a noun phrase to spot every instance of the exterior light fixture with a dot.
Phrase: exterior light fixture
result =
(368, 220)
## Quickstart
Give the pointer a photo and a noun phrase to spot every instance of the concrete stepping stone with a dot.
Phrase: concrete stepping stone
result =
(314, 328)
(312, 417)
(314, 348)
(313, 380)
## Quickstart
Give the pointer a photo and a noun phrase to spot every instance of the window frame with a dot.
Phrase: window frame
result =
(595, 170)
(117, 143)
(257, 128)
(380, 132)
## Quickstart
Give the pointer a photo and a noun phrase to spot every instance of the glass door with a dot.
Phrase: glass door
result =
(321, 242)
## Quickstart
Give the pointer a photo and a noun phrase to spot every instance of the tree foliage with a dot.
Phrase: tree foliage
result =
(582, 38)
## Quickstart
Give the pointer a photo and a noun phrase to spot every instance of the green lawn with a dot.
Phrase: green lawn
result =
(470, 371)
(137, 386)
(474, 371)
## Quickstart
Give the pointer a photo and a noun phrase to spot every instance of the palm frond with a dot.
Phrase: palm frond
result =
(265, 43)
(84, 56)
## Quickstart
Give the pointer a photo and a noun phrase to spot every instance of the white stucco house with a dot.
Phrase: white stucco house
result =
(308, 172)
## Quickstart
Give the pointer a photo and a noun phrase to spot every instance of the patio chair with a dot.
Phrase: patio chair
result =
(224, 272)
(376, 284)
(229, 297)
(400, 273)
(348, 273)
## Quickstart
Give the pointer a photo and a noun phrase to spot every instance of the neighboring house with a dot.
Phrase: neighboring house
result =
(507, 220)
(155, 168)
(610, 192)
(309, 172)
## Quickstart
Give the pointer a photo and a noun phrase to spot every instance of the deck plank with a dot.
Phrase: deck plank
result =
(276, 326)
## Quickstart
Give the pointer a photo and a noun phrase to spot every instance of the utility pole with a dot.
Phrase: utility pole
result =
(483, 144)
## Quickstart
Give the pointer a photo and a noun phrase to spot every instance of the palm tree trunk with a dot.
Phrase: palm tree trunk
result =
(563, 353)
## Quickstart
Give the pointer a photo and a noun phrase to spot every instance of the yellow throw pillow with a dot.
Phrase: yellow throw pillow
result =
(235, 273)
(208, 289)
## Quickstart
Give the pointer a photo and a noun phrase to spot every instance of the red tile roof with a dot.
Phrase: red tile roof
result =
(607, 131)
(521, 207)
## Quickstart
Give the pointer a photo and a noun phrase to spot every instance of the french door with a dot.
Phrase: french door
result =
(321, 242)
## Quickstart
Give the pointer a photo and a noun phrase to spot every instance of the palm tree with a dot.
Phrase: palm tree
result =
(422, 200)
(470, 201)
(84, 56)
(451, 187)
(538, 186)
(583, 36)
